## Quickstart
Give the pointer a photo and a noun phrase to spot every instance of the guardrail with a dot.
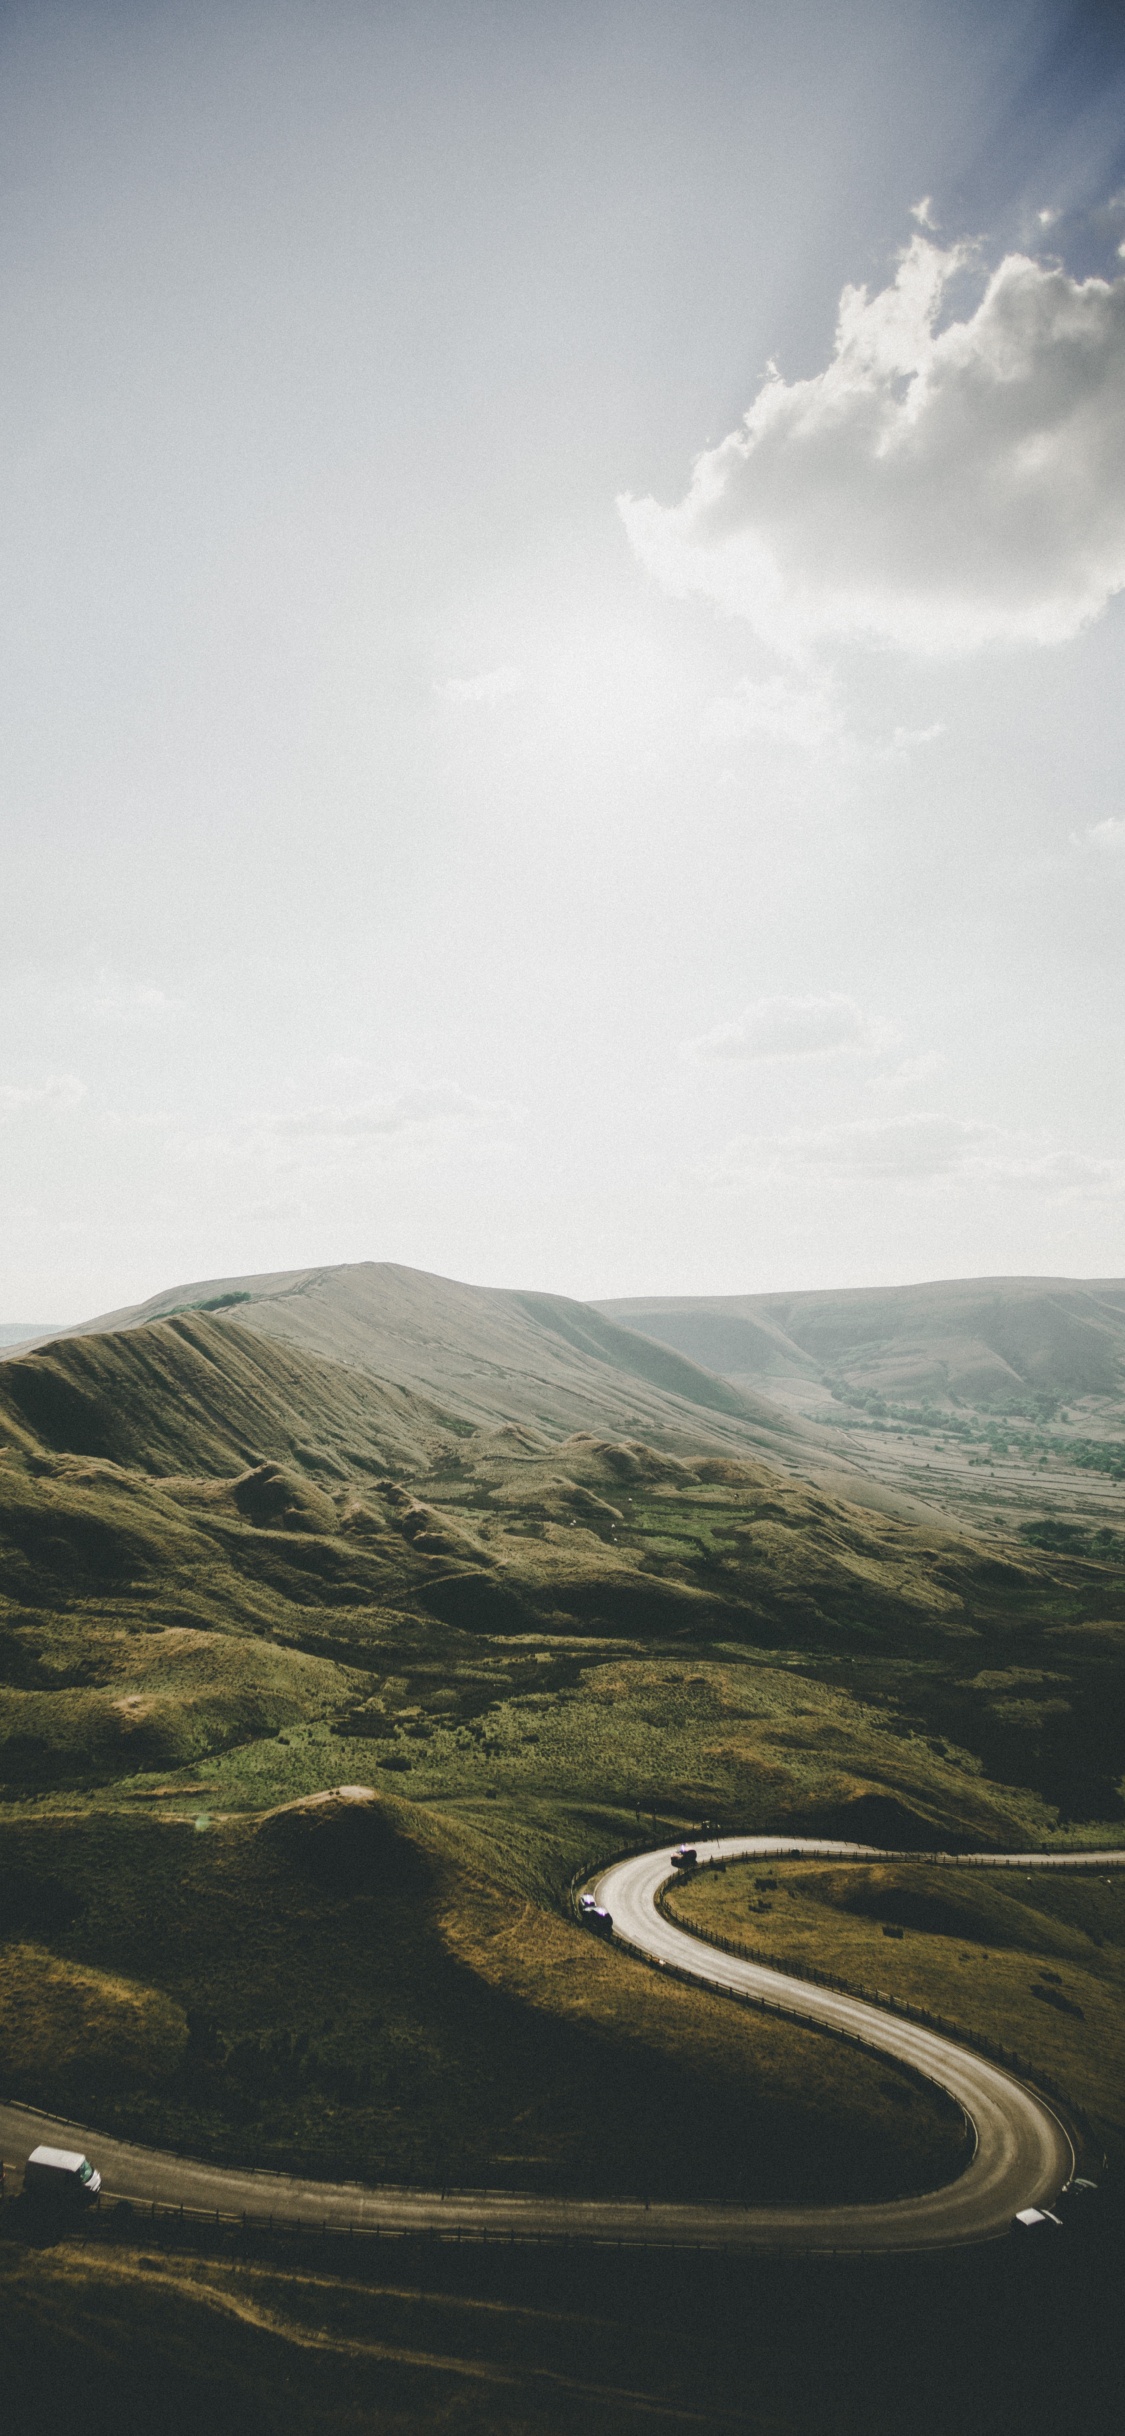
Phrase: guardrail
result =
(166, 2223)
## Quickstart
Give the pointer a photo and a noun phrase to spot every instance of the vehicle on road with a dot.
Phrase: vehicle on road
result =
(600, 1921)
(1036, 2220)
(685, 1857)
(587, 1903)
(61, 2177)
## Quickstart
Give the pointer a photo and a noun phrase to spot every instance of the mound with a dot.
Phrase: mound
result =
(346, 1839)
(278, 1500)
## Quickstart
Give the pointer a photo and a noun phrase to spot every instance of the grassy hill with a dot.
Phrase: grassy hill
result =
(190, 1477)
(483, 1354)
(238, 1570)
(188, 1395)
(1005, 1344)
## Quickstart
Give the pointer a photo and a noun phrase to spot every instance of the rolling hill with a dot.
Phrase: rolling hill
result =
(994, 1344)
(482, 1355)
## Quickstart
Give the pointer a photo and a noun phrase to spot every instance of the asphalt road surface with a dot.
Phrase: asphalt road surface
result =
(1021, 2159)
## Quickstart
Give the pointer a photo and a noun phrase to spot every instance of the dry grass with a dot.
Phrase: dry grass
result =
(66, 2026)
(1035, 1965)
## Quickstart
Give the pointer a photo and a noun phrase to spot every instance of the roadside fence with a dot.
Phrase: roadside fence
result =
(882, 2001)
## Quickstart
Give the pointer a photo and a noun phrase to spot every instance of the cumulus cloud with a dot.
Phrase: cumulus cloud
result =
(491, 686)
(938, 487)
(60, 1092)
(923, 1148)
(788, 1027)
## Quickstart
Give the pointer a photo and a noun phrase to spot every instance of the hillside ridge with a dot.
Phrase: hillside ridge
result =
(483, 1354)
(993, 1343)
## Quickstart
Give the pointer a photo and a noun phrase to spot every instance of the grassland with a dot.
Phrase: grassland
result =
(348, 1975)
(1034, 1964)
(238, 1574)
(305, 2338)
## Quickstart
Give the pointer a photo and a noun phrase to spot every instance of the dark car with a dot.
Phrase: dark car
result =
(600, 1921)
(685, 1857)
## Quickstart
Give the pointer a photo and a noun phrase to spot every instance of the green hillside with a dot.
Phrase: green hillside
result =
(237, 1572)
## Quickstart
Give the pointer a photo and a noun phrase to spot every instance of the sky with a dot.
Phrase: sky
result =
(562, 643)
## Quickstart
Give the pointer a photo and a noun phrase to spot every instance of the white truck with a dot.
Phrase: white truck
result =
(62, 2177)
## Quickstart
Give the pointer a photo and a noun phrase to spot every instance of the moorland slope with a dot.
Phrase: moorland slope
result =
(1003, 1344)
(237, 1569)
(483, 1354)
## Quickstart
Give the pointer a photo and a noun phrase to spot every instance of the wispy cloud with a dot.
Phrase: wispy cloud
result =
(59, 1093)
(1105, 837)
(788, 1028)
(423, 1107)
(419, 1121)
(119, 998)
(491, 686)
(923, 1148)
(788, 710)
(937, 488)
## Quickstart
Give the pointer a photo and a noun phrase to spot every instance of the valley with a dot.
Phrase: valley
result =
(543, 1592)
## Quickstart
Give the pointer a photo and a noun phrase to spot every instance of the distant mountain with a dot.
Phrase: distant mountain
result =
(26, 1332)
(478, 1355)
(996, 1343)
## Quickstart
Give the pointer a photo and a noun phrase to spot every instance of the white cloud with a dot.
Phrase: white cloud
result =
(424, 1107)
(923, 1148)
(787, 711)
(910, 1071)
(493, 685)
(906, 739)
(923, 212)
(807, 712)
(935, 489)
(121, 999)
(414, 1125)
(59, 1092)
(1106, 837)
(788, 1027)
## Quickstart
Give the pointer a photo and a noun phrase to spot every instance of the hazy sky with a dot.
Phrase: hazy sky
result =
(562, 676)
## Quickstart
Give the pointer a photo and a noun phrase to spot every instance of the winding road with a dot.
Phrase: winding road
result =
(1022, 2154)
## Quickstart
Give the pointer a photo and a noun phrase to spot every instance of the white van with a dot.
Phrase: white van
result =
(61, 2175)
